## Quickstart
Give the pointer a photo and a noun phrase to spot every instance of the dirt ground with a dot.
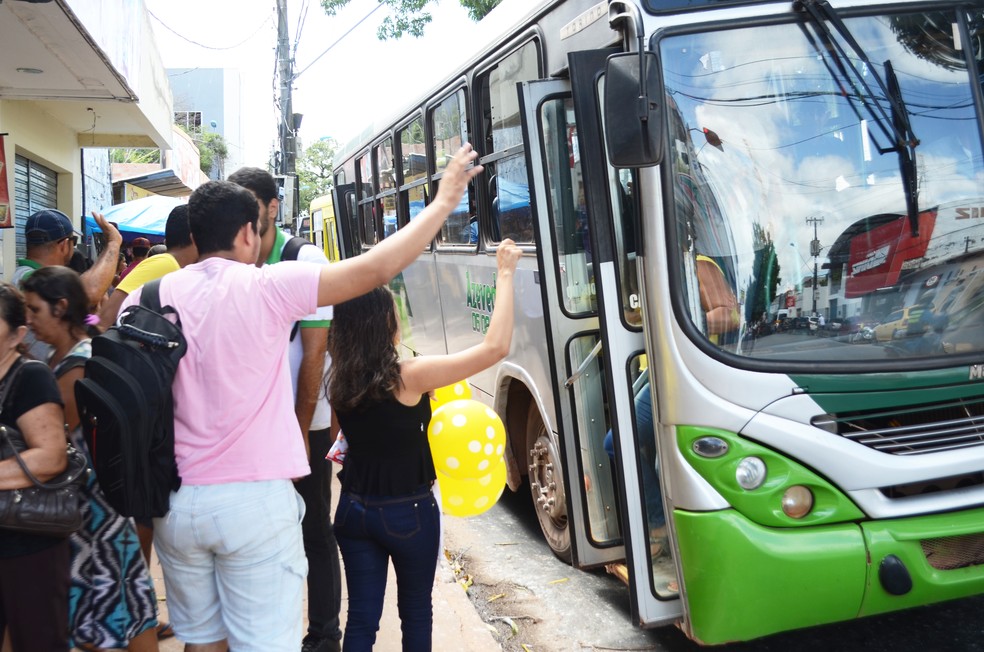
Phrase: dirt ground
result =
(511, 611)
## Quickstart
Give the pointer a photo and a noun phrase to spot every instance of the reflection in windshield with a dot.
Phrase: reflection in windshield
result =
(795, 229)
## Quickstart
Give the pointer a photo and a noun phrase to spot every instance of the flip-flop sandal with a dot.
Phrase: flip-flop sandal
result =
(670, 587)
(659, 547)
(164, 631)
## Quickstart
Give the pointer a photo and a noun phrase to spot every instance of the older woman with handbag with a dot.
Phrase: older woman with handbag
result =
(111, 602)
(34, 569)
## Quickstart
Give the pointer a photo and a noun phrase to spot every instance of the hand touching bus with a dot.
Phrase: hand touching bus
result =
(356, 276)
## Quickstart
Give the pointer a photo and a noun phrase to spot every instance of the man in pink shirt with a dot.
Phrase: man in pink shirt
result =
(230, 546)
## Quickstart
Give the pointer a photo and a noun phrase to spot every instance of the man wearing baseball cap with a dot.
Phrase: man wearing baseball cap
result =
(51, 238)
(140, 247)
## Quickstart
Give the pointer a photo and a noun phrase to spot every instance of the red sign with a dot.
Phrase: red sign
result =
(790, 300)
(878, 256)
(6, 217)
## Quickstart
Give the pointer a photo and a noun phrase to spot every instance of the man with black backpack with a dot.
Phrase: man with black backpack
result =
(230, 545)
(308, 365)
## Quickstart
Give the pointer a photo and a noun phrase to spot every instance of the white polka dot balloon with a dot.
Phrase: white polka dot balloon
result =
(467, 439)
(471, 496)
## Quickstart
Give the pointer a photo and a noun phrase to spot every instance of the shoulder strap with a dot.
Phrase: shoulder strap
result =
(150, 295)
(12, 375)
(293, 247)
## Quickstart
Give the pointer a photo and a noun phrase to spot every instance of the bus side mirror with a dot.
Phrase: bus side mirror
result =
(633, 110)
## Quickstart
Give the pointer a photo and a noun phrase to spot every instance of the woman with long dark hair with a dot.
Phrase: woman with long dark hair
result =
(111, 602)
(386, 509)
(34, 569)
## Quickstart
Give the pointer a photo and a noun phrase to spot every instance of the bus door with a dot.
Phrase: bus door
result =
(571, 314)
(614, 223)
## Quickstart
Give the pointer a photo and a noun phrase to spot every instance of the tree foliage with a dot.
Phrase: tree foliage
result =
(411, 16)
(314, 170)
(212, 148)
(134, 155)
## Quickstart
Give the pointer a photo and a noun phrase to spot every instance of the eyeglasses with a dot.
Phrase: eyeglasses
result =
(73, 238)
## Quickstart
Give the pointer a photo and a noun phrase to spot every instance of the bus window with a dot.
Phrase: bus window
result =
(368, 212)
(449, 126)
(386, 192)
(416, 200)
(588, 394)
(504, 161)
(450, 129)
(413, 191)
(567, 207)
(510, 192)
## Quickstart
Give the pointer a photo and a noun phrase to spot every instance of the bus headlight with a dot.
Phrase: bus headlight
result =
(750, 473)
(797, 502)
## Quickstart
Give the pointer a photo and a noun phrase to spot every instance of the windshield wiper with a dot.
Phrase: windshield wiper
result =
(896, 126)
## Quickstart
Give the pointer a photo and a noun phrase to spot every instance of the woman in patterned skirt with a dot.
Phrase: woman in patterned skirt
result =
(111, 601)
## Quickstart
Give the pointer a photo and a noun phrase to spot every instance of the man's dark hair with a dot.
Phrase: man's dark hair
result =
(216, 212)
(261, 182)
(177, 232)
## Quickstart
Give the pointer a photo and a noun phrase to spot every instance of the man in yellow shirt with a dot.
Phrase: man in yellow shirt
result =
(181, 251)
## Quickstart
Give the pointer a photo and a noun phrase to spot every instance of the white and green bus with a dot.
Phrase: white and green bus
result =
(720, 201)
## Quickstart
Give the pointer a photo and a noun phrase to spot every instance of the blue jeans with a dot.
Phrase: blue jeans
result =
(645, 434)
(370, 531)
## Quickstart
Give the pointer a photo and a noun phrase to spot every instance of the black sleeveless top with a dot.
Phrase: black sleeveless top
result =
(388, 452)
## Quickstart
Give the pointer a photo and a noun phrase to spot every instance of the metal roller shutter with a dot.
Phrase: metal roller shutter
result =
(35, 187)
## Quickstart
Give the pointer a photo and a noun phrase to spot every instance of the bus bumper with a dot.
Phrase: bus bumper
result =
(744, 581)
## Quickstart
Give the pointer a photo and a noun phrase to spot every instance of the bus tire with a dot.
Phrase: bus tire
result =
(546, 480)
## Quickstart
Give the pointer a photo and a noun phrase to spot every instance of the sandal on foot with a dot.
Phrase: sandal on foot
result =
(671, 588)
(164, 630)
(659, 546)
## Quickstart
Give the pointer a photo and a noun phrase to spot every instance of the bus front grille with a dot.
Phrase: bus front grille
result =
(913, 429)
(949, 553)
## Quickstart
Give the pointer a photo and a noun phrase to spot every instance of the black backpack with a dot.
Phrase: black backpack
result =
(126, 409)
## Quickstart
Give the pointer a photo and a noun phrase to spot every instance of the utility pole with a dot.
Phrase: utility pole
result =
(286, 165)
(815, 220)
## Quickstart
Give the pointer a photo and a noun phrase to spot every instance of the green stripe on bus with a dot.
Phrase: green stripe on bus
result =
(866, 382)
(864, 393)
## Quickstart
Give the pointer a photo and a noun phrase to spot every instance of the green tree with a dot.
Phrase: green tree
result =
(212, 148)
(410, 16)
(134, 155)
(314, 170)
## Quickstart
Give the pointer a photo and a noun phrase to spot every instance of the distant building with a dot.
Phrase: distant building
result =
(211, 99)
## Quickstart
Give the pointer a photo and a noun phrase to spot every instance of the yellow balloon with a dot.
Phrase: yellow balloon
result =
(471, 497)
(467, 439)
(453, 392)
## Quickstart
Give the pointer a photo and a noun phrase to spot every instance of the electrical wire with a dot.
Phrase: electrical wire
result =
(202, 45)
(338, 40)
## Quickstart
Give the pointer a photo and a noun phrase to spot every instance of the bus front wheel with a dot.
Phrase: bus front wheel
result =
(547, 486)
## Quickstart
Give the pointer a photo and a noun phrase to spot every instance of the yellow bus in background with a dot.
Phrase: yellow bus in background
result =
(324, 231)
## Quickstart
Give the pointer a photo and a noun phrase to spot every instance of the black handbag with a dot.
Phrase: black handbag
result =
(52, 508)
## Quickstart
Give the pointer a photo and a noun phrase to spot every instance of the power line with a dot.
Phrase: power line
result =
(202, 45)
(338, 40)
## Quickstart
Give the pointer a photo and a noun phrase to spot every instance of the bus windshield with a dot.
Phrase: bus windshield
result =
(827, 195)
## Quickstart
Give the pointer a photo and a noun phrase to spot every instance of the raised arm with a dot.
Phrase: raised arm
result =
(424, 373)
(356, 276)
(98, 278)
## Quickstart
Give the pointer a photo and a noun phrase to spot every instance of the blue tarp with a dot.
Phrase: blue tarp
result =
(141, 217)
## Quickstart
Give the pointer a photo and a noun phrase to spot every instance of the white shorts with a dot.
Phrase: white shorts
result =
(234, 564)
